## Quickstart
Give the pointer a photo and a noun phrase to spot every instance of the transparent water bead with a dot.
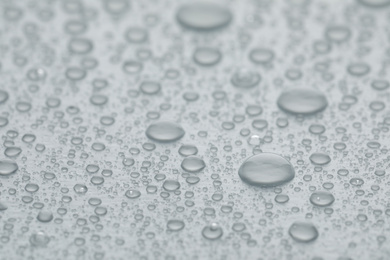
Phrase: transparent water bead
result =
(7, 167)
(322, 198)
(302, 101)
(203, 16)
(193, 164)
(132, 194)
(165, 132)
(245, 78)
(303, 232)
(175, 225)
(206, 56)
(266, 170)
(320, 158)
(212, 232)
(39, 239)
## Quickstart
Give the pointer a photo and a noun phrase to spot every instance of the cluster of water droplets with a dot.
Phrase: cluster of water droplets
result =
(194, 130)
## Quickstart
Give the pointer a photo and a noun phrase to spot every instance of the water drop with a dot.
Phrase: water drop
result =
(266, 170)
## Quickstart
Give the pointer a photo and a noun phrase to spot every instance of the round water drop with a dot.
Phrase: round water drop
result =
(303, 232)
(378, 85)
(338, 33)
(193, 164)
(322, 198)
(320, 158)
(358, 69)
(207, 56)
(212, 232)
(282, 198)
(187, 150)
(171, 185)
(75, 74)
(165, 132)
(203, 16)
(132, 67)
(3, 121)
(356, 182)
(175, 225)
(259, 124)
(377, 106)
(7, 167)
(3, 96)
(80, 46)
(39, 239)
(244, 78)
(302, 101)
(317, 129)
(261, 56)
(379, 172)
(133, 194)
(80, 189)
(150, 87)
(98, 100)
(136, 35)
(3, 206)
(266, 170)
(45, 216)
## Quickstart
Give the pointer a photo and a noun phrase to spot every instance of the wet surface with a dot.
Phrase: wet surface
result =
(194, 130)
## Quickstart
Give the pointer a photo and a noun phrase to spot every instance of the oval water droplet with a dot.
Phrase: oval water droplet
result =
(193, 164)
(203, 16)
(322, 198)
(266, 170)
(302, 101)
(7, 167)
(303, 232)
(165, 132)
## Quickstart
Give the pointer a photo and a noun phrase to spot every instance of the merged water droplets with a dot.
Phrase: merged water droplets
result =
(266, 170)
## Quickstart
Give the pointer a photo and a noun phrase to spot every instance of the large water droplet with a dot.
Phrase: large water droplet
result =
(322, 198)
(266, 170)
(193, 164)
(175, 225)
(212, 232)
(303, 231)
(203, 16)
(302, 101)
(320, 158)
(7, 167)
(207, 56)
(244, 78)
(165, 132)
(133, 194)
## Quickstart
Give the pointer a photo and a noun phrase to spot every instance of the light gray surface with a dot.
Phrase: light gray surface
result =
(153, 67)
